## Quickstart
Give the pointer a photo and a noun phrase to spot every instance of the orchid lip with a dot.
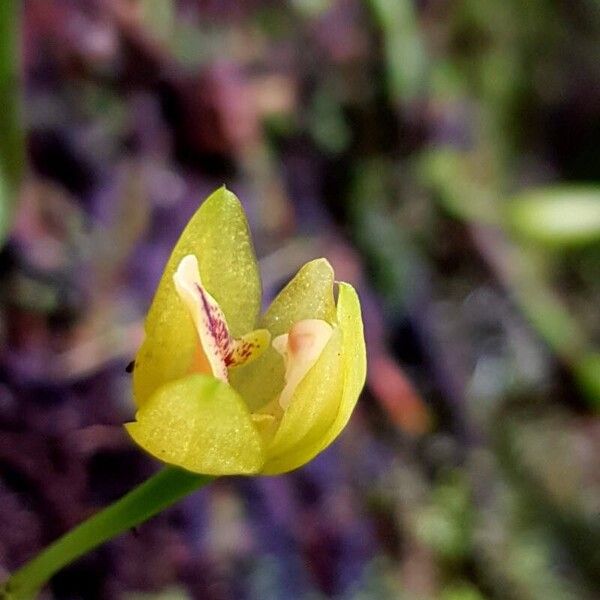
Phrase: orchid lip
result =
(217, 347)
(300, 348)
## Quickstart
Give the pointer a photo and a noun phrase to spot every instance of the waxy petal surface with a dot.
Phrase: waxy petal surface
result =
(309, 295)
(261, 381)
(351, 379)
(300, 349)
(355, 359)
(218, 236)
(312, 410)
(200, 424)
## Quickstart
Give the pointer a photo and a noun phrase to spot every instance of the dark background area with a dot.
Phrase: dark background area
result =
(443, 155)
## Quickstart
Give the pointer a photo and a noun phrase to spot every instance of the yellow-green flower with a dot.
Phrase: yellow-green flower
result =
(221, 391)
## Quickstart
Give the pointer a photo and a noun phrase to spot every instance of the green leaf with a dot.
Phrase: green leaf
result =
(405, 56)
(587, 371)
(12, 147)
(559, 216)
(462, 184)
(6, 201)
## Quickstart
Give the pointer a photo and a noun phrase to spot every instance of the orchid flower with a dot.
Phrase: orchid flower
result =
(221, 390)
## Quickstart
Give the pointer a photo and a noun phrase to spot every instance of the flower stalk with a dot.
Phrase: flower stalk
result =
(151, 497)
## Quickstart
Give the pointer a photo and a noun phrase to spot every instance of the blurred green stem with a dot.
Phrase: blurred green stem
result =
(469, 194)
(12, 145)
(151, 497)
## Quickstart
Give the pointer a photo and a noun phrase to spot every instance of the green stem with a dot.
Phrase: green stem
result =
(154, 495)
(12, 144)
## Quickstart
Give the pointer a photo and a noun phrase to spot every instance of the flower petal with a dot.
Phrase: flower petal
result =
(355, 358)
(311, 412)
(261, 381)
(248, 348)
(206, 314)
(218, 236)
(353, 368)
(220, 350)
(167, 353)
(200, 424)
(309, 295)
(300, 348)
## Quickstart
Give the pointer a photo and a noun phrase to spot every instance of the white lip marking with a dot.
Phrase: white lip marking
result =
(220, 349)
(300, 348)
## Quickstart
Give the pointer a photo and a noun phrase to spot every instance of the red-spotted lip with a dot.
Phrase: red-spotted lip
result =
(221, 350)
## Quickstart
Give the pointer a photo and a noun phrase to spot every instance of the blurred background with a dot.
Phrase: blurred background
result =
(443, 154)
